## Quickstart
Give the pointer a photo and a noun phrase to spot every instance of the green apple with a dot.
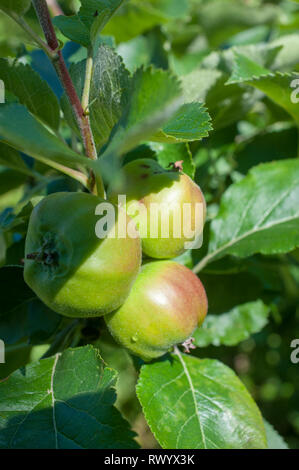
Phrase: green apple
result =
(166, 304)
(167, 206)
(69, 268)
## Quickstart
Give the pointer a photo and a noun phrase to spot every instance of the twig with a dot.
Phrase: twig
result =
(44, 18)
(43, 15)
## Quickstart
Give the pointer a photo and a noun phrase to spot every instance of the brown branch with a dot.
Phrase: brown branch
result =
(43, 14)
(42, 11)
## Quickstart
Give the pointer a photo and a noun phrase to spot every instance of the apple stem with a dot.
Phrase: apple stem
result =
(188, 345)
(177, 166)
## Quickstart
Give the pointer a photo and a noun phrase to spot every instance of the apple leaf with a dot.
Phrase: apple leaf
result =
(154, 99)
(276, 85)
(151, 89)
(63, 402)
(259, 214)
(155, 111)
(191, 122)
(192, 403)
(126, 104)
(226, 105)
(108, 92)
(246, 69)
(31, 90)
(234, 326)
(92, 16)
(20, 130)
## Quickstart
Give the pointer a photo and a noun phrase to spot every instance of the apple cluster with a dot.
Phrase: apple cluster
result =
(149, 302)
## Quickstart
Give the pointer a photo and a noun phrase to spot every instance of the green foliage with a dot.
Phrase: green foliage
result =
(154, 112)
(68, 403)
(190, 122)
(31, 91)
(259, 214)
(108, 94)
(226, 105)
(22, 131)
(213, 85)
(233, 327)
(276, 85)
(195, 404)
(86, 26)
